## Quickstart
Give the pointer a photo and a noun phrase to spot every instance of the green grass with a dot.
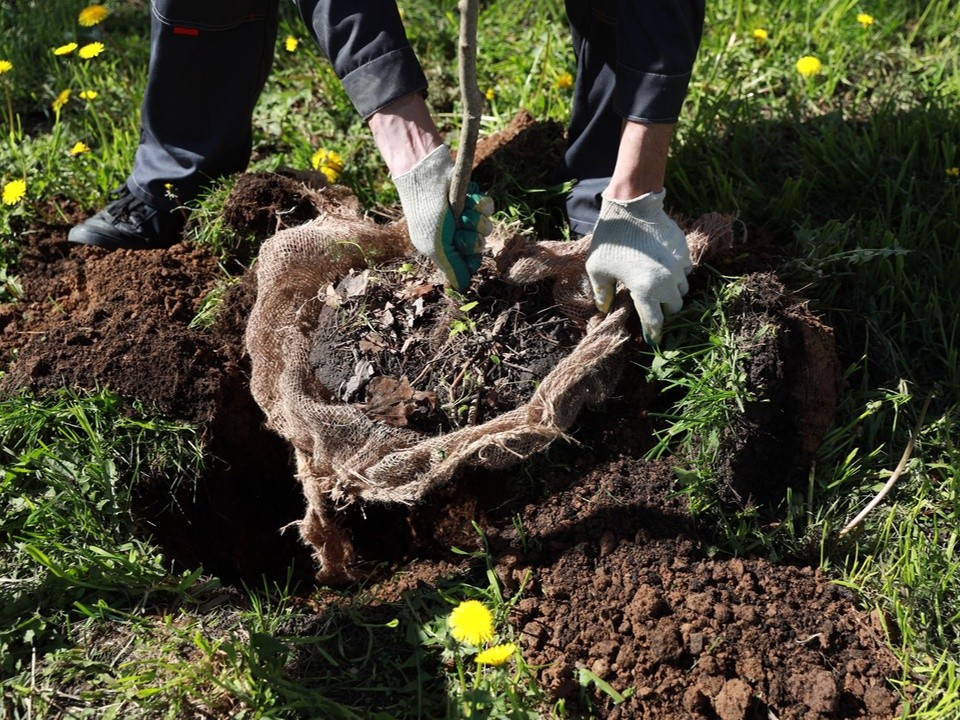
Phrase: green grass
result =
(847, 172)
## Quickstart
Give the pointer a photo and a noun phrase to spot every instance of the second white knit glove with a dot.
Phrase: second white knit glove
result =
(636, 243)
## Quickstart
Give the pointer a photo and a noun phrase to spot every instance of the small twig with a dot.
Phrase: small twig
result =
(548, 322)
(898, 471)
(521, 368)
(472, 104)
(474, 413)
(457, 379)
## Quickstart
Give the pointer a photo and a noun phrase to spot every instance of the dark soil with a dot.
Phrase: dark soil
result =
(618, 582)
(390, 338)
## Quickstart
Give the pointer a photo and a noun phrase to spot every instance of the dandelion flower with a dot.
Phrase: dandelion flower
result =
(330, 158)
(865, 19)
(471, 622)
(490, 94)
(93, 15)
(65, 49)
(291, 43)
(91, 50)
(14, 191)
(79, 148)
(61, 100)
(496, 655)
(5, 66)
(808, 66)
(564, 80)
(760, 34)
(88, 94)
(953, 172)
(329, 163)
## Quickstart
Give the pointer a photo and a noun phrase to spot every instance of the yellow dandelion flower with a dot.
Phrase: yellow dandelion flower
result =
(91, 50)
(79, 148)
(93, 15)
(61, 100)
(808, 66)
(330, 174)
(330, 158)
(65, 49)
(564, 80)
(328, 162)
(291, 43)
(5, 66)
(14, 191)
(760, 34)
(953, 172)
(88, 94)
(471, 622)
(865, 19)
(490, 94)
(497, 655)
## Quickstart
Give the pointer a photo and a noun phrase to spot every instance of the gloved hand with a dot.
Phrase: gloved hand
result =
(453, 245)
(636, 242)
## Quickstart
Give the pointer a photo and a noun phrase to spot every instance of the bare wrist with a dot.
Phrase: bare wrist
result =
(641, 160)
(405, 133)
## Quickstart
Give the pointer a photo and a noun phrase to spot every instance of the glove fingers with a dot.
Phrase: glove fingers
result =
(673, 304)
(603, 291)
(473, 262)
(467, 242)
(651, 317)
(474, 220)
(481, 203)
(455, 269)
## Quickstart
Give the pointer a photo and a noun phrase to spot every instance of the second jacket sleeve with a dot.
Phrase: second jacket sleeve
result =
(367, 45)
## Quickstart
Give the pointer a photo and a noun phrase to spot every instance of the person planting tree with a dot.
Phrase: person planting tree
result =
(209, 62)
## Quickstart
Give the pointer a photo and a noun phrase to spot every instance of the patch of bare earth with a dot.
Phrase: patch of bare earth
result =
(617, 582)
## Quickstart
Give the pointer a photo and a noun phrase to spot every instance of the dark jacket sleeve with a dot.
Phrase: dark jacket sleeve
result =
(366, 43)
(657, 42)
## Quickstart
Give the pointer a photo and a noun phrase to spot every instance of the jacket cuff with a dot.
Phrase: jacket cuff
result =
(383, 80)
(649, 97)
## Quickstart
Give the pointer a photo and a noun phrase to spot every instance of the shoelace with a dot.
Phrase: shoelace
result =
(127, 206)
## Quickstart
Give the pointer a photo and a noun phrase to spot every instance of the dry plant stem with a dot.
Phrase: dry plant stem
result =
(472, 104)
(898, 471)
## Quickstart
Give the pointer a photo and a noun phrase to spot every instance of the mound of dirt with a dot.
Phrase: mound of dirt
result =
(695, 637)
(792, 377)
(617, 586)
(261, 203)
(91, 319)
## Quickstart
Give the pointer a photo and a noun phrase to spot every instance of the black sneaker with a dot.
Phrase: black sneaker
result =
(128, 222)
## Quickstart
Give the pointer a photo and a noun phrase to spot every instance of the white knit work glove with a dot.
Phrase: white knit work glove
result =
(636, 242)
(453, 246)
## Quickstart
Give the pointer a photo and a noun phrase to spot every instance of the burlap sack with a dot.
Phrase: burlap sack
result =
(342, 455)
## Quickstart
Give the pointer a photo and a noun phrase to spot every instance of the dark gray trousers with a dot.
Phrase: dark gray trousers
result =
(634, 59)
(209, 61)
(208, 64)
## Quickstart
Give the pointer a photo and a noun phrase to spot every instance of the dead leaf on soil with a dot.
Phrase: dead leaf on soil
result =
(392, 401)
(362, 372)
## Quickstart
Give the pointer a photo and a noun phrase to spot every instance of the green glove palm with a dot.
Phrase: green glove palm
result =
(453, 246)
